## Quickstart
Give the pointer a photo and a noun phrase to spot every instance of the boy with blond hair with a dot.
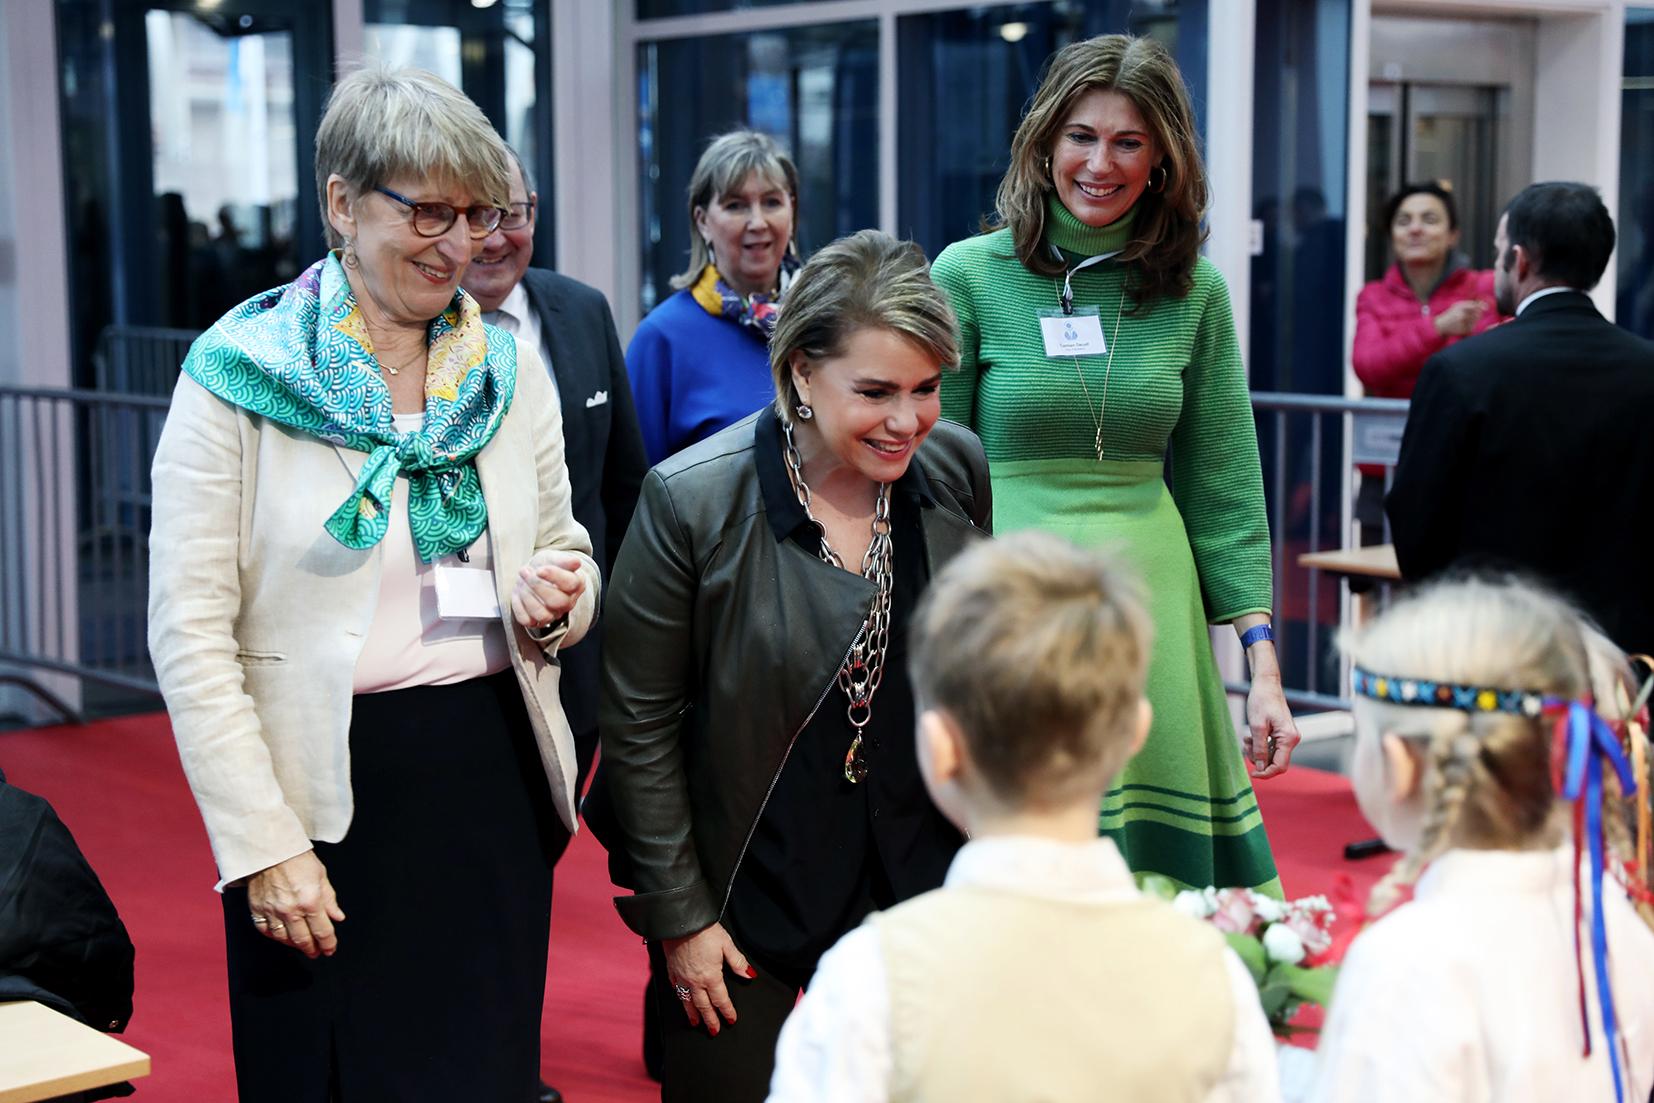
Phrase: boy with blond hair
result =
(1038, 971)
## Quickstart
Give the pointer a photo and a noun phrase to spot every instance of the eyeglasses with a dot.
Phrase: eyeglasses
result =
(518, 215)
(436, 219)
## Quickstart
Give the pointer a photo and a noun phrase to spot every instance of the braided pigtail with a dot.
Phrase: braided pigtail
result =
(1447, 783)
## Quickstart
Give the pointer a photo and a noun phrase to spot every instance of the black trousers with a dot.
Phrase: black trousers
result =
(445, 879)
(735, 1066)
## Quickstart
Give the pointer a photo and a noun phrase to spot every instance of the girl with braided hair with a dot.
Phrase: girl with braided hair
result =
(1492, 731)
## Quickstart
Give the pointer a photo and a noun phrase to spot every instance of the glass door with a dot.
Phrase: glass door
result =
(188, 138)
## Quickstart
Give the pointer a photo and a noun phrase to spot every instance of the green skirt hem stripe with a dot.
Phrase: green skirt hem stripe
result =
(1195, 860)
(1126, 812)
(1198, 798)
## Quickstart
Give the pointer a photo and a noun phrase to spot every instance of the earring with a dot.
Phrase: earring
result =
(804, 412)
(1047, 167)
(1165, 177)
(348, 254)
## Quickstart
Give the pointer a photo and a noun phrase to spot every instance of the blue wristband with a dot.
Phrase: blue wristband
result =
(1256, 634)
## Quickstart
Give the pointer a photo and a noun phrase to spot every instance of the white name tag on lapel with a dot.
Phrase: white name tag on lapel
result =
(1076, 334)
(466, 593)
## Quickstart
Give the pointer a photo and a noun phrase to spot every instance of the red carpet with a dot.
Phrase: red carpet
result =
(118, 786)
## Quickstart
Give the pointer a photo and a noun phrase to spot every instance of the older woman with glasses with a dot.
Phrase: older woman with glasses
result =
(364, 564)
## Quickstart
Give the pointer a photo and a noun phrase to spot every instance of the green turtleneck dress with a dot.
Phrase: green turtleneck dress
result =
(1184, 806)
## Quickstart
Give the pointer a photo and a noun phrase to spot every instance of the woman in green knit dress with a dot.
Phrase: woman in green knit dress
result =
(1095, 340)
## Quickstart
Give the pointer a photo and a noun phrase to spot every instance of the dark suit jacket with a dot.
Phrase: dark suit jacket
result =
(1528, 448)
(603, 450)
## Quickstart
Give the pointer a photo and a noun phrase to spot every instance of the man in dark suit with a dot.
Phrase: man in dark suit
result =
(571, 325)
(1528, 447)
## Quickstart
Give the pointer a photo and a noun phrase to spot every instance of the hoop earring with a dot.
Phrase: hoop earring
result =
(1165, 178)
(348, 254)
(1047, 166)
(804, 412)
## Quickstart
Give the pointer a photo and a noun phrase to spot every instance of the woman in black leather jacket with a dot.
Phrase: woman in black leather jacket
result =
(757, 721)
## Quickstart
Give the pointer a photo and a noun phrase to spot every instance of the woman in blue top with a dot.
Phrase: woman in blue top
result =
(700, 360)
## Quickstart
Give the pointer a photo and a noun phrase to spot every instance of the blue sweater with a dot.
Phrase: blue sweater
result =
(693, 374)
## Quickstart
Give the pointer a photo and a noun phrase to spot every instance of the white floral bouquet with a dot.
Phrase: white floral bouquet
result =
(1287, 945)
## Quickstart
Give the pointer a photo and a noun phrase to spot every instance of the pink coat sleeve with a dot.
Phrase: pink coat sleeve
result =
(1390, 346)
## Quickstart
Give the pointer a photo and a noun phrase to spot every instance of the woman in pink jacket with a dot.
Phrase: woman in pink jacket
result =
(1429, 298)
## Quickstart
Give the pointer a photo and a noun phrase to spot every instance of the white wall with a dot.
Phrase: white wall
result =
(31, 170)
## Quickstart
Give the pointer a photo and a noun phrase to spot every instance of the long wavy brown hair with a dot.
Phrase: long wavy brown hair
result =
(1168, 230)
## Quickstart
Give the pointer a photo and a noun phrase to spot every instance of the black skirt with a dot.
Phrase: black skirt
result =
(445, 878)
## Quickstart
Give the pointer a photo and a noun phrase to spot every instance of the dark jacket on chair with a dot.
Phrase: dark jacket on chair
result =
(1528, 448)
(61, 942)
(694, 741)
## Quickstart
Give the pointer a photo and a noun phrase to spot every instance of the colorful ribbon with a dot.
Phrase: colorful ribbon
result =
(1584, 743)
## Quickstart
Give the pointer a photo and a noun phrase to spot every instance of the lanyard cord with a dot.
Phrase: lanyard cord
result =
(1065, 296)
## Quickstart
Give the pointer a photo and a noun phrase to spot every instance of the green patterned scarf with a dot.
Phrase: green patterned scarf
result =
(300, 355)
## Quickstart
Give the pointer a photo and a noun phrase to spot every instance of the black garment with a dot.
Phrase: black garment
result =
(1528, 448)
(61, 941)
(720, 640)
(603, 450)
(445, 880)
(734, 1067)
(826, 852)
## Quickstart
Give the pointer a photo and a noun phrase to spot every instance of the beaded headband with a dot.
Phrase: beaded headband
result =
(1445, 695)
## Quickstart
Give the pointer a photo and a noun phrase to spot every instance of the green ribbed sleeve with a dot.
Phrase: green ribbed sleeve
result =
(1176, 383)
(1217, 480)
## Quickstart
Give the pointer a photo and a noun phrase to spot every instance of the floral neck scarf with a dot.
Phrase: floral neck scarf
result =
(758, 310)
(300, 355)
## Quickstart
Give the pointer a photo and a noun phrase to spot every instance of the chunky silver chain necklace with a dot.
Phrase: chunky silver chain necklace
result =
(863, 667)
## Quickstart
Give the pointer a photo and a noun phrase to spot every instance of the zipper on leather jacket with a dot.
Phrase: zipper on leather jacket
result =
(735, 870)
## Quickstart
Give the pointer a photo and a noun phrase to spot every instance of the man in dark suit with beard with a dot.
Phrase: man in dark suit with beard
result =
(572, 327)
(1528, 447)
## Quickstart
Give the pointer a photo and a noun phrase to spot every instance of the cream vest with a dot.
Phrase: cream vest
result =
(995, 996)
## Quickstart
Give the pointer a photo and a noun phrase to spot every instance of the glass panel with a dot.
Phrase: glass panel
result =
(498, 53)
(814, 89)
(1634, 306)
(224, 171)
(1299, 184)
(661, 9)
(187, 138)
(967, 77)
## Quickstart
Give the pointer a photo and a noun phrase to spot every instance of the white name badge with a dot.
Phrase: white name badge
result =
(466, 593)
(1076, 334)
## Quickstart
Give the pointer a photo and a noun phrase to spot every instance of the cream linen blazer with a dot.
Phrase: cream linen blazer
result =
(257, 615)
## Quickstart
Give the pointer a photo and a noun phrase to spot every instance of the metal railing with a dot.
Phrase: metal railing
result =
(1311, 446)
(140, 360)
(75, 510)
(74, 541)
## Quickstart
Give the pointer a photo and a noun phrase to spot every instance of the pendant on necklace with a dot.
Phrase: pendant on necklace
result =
(1098, 443)
(855, 763)
(390, 369)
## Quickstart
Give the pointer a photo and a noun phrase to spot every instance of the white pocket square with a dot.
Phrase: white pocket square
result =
(599, 399)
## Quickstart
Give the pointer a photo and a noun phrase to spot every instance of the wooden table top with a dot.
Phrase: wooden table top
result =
(1375, 561)
(44, 1054)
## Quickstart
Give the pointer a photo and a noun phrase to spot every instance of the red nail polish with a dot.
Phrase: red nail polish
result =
(752, 974)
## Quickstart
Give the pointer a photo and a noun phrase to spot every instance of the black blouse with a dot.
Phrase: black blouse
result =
(826, 852)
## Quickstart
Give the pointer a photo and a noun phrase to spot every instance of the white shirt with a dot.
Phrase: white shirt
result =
(1469, 993)
(1540, 294)
(515, 315)
(836, 1044)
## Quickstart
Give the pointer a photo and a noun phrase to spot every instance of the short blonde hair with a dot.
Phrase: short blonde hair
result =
(1167, 235)
(868, 280)
(727, 162)
(382, 123)
(1037, 650)
(1487, 775)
